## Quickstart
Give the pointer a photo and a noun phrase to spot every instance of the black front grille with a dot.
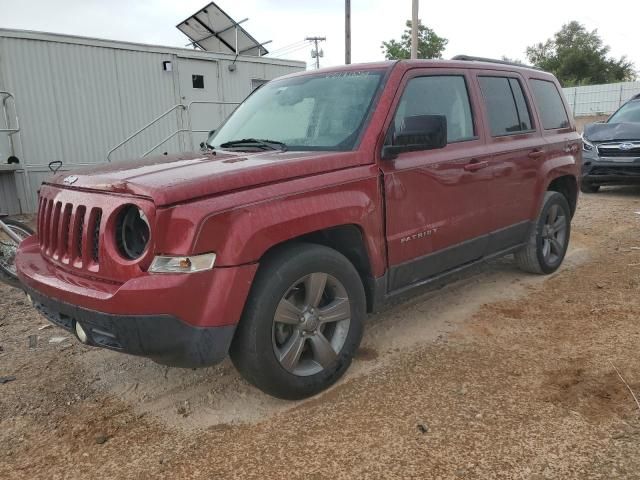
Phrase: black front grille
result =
(615, 151)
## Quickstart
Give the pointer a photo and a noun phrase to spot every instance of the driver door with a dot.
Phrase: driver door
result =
(437, 201)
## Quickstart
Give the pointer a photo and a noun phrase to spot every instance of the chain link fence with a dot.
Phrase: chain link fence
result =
(600, 100)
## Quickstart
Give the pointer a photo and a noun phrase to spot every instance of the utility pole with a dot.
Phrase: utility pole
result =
(414, 30)
(347, 32)
(315, 53)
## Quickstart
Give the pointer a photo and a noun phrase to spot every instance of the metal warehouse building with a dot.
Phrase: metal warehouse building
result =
(82, 101)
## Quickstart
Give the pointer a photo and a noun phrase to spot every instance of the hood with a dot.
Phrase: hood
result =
(604, 132)
(171, 179)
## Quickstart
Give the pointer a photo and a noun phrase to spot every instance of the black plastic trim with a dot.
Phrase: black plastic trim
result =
(417, 271)
(164, 338)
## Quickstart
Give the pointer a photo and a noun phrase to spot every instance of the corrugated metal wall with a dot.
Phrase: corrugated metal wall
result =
(8, 194)
(594, 100)
(76, 101)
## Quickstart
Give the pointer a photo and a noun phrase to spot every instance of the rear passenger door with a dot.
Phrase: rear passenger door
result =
(563, 143)
(517, 153)
(436, 200)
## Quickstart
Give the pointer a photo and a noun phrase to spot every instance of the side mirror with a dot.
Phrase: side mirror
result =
(205, 145)
(420, 132)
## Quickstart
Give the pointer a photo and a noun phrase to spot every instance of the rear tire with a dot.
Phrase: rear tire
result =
(589, 188)
(548, 241)
(7, 252)
(302, 323)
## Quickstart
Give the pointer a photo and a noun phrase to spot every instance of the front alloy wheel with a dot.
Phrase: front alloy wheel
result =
(311, 324)
(302, 323)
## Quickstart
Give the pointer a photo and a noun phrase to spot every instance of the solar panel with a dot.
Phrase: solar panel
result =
(212, 30)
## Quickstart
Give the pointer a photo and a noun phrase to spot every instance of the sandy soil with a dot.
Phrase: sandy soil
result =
(500, 374)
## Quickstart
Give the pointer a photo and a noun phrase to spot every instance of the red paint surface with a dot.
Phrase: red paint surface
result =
(239, 205)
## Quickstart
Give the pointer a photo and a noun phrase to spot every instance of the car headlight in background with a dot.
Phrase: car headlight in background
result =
(132, 232)
(182, 264)
(587, 146)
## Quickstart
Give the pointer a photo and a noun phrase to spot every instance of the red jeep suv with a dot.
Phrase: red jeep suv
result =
(323, 196)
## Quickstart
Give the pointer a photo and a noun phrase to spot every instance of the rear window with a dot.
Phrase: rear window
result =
(506, 106)
(549, 104)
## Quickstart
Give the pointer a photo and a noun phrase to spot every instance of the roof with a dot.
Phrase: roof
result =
(141, 47)
(433, 63)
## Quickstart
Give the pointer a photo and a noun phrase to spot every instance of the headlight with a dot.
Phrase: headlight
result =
(132, 232)
(587, 146)
(186, 264)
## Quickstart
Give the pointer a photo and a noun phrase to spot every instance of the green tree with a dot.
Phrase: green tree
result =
(430, 45)
(579, 57)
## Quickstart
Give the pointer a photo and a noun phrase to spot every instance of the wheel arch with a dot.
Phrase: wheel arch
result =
(567, 185)
(348, 240)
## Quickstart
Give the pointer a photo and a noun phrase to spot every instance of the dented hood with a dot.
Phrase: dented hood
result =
(605, 132)
(171, 179)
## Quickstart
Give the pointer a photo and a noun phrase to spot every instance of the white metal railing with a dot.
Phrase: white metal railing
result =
(179, 106)
(5, 97)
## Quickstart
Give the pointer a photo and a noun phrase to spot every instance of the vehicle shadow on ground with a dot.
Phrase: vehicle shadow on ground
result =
(620, 191)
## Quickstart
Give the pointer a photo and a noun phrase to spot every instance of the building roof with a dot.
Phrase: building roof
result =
(141, 47)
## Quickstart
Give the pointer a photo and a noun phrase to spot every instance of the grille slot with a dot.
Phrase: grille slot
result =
(95, 233)
(79, 232)
(65, 247)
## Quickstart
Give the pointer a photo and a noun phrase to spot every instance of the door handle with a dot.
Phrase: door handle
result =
(474, 165)
(537, 153)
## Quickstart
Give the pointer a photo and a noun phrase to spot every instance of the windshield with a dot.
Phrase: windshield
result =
(628, 113)
(311, 112)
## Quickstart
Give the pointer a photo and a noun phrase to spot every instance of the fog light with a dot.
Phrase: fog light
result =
(82, 335)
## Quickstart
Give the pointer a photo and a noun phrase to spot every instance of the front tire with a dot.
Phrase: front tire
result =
(302, 323)
(548, 241)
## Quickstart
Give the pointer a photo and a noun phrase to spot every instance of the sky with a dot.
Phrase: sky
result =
(490, 28)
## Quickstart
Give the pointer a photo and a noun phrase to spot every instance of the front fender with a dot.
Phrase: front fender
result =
(245, 225)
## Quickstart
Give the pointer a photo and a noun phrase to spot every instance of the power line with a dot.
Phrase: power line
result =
(291, 45)
(289, 52)
(292, 49)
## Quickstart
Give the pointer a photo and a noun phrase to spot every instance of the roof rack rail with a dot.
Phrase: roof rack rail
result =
(469, 58)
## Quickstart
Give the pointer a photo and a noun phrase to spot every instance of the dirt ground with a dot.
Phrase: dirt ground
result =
(500, 374)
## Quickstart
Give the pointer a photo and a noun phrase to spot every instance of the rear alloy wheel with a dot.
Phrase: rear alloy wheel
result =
(589, 188)
(302, 323)
(549, 240)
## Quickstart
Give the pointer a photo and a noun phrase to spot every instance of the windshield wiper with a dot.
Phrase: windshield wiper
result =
(256, 142)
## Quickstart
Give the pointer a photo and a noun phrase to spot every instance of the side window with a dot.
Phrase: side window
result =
(550, 104)
(506, 105)
(438, 95)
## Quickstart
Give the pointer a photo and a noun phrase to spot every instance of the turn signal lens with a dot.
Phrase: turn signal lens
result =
(190, 264)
